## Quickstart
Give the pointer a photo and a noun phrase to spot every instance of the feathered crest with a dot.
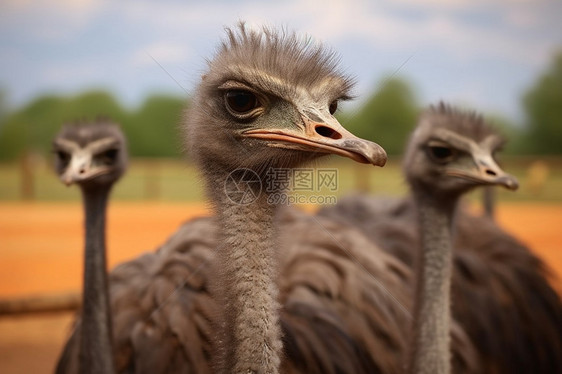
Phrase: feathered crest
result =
(467, 123)
(278, 54)
(83, 132)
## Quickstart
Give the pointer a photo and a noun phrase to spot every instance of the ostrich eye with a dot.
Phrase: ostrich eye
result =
(241, 102)
(64, 158)
(441, 153)
(333, 107)
(109, 157)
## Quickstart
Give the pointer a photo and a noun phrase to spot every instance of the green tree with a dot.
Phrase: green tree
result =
(543, 107)
(94, 104)
(34, 125)
(31, 127)
(514, 135)
(388, 116)
(3, 106)
(153, 130)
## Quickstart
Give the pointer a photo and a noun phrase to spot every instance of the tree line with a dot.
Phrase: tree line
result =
(150, 129)
(387, 116)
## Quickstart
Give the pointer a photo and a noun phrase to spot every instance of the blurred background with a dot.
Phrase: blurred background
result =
(138, 63)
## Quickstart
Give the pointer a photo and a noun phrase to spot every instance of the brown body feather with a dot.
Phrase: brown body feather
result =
(346, 305)
(501, 294)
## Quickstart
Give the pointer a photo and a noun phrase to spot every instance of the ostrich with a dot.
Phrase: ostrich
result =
(444, 160)
(93, 155)
(273, 111)
(500, 291)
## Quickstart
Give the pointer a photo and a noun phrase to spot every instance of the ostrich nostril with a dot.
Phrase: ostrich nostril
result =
(82, 171)
(327, 132)
(491, 172)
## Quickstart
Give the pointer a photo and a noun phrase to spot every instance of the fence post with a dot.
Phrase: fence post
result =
(27, 180)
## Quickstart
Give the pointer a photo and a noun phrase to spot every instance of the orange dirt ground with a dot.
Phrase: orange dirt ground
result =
(41, 252)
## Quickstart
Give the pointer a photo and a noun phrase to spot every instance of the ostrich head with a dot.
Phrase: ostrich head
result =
(90, 154)
(268, 100)
(451, 152)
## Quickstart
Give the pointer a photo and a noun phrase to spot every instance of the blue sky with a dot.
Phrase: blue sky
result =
(482, 54)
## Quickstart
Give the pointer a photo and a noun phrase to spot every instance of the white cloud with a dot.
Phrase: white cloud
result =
(469, 42)
(439, 4)
(164, 52)
(522, 18)
(50, 19)
(176, 17)
(461, 39)
(179, 35)
(446, 5)
(55, 74)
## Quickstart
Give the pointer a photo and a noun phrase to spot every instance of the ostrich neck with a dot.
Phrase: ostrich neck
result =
(251, 338)
(431, 326)
(95, 343)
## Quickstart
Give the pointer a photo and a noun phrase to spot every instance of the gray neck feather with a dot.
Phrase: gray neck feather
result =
(250, 340)
(431, 326)
(96, 356)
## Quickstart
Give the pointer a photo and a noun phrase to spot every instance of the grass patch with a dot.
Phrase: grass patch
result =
(175, 180)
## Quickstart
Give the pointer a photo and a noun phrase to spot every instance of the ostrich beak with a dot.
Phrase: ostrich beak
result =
(322, 137)
(81, 169)
(490, 172)
(486, 171)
